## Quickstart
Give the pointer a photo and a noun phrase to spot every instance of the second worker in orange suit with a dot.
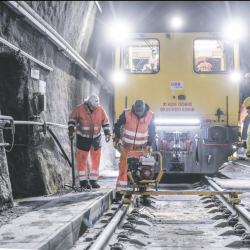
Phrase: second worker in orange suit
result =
(138, 132)
(89, 118)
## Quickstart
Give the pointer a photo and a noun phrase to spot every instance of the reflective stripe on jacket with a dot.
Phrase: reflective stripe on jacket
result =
(88, 124)
(135, 131)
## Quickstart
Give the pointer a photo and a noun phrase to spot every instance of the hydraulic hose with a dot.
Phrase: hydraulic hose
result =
(60, 146)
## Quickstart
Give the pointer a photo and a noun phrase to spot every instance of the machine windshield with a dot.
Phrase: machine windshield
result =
(141, 56)
(214, 56)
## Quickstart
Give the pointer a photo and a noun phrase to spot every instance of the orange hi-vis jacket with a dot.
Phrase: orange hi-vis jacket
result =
(135, 132)
(88, 124)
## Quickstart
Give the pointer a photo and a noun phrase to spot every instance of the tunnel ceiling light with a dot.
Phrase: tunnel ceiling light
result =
(235, 76)
(176, 22)
(177, 121)
(235, 30)
(118, 77)
(119, 31)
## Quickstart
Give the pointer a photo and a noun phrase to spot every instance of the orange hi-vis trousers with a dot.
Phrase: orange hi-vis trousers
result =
(82, 157)
(121, 183)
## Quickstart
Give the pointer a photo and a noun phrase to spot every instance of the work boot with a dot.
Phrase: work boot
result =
(94, 184)
(118, 196)
(85, 184)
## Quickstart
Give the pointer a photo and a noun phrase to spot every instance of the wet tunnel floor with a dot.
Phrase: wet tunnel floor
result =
(180, 222)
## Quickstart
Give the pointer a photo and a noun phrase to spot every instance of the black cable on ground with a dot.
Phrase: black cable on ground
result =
(60, 146)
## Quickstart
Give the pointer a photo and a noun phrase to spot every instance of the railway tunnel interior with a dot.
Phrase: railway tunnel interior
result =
(66, 52)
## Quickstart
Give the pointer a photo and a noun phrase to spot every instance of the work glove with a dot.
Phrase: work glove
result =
(241, 144)
(148, 148)
(107, 138)
(71, 134)
(118, 143)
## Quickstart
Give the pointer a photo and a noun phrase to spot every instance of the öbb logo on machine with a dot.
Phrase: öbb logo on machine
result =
(176, 85)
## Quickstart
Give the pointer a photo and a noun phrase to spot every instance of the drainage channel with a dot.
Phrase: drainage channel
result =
(170, 222)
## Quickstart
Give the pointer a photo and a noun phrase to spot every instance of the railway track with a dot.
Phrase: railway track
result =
(172, 222)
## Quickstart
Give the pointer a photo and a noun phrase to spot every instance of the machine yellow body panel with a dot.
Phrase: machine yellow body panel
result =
(205, 92)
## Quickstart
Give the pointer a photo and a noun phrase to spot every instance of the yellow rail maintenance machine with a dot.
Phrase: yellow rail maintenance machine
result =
(188, 80)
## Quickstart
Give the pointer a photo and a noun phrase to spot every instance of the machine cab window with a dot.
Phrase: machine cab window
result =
(140, 56)
(213, 56)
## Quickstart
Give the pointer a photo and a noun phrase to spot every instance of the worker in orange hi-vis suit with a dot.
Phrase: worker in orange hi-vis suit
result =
(138, 134)
(89, 118)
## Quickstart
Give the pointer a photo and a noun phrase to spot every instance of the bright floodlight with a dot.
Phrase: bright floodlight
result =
(176, 22)
(177, 121)
(235, 77)
(235, 30)
(118, 77)
(119, 31)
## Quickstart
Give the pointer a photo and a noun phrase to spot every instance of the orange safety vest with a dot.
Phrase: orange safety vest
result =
(135, 131)
(88, 124)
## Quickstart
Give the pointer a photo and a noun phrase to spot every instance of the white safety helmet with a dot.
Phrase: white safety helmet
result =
(247, 75)
(93, 101)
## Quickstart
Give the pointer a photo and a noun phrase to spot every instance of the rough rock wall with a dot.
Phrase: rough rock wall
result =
(6, 199)
(42, 170)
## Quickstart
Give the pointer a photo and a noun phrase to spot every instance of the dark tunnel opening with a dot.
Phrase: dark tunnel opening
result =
(14, 102)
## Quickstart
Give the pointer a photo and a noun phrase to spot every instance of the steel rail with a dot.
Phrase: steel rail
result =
(178, 192)
(102, 240)
(242, 211)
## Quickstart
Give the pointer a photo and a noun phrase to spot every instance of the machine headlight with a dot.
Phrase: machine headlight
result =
(235, 30)
(235, 77)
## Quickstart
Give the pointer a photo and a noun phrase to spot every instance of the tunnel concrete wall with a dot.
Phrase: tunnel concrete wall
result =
(36, 165)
